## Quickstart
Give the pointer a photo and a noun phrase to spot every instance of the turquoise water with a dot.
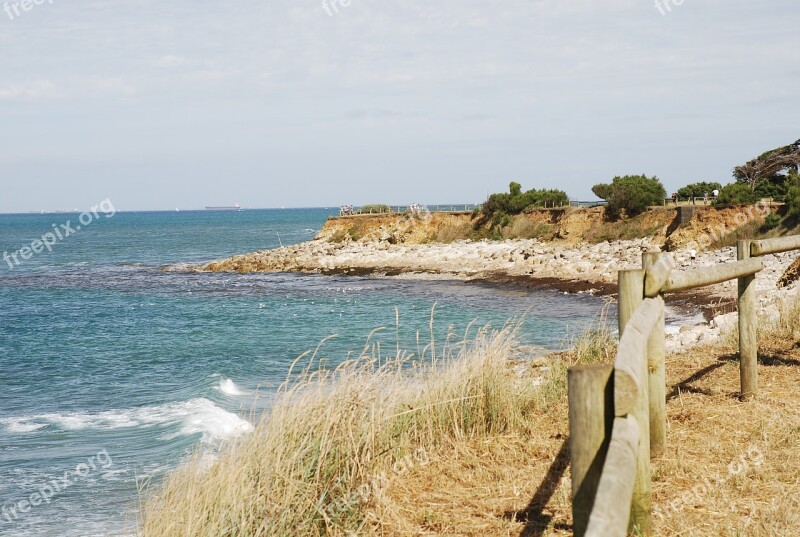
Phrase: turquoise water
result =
(113, 371)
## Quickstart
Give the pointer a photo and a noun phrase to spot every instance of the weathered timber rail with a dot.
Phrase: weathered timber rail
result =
(617, 413)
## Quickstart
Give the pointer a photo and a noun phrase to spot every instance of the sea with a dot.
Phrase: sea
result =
(117, 365)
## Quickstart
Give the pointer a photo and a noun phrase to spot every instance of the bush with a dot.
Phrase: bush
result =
(632, 194)
(793, 196)
(698, 190)
(772, 221)
(774, 188)
(497, 206)
(373, 209)
(793, 203)
(736, 194)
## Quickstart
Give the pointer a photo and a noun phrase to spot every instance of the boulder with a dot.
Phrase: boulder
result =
(791, 275)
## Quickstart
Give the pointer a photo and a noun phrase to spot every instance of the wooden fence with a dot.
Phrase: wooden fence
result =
(617, 414)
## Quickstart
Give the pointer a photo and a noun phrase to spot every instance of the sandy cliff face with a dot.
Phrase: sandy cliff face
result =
(710, 224)
(561, 224)
(571, 226)
(394, 228)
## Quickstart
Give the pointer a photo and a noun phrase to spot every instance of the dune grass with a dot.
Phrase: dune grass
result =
(320, 462)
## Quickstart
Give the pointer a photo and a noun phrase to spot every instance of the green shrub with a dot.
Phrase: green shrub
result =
(632, 194)
(772, 221)
(774, 188)
(736, 194)
(497, 206)
(793, 196)
(374, 209)
(698, 189)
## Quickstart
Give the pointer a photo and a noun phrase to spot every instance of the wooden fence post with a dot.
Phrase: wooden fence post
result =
(631, 294)
(591, 420)
(748, 322)
(657, 382)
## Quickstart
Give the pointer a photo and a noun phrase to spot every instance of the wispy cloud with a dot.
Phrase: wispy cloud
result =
(28, 91)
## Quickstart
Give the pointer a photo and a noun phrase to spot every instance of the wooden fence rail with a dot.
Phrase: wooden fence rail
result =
(775, 246)
(683, 281)
(618, 414)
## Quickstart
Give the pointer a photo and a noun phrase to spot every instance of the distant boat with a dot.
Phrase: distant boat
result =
(236, 207)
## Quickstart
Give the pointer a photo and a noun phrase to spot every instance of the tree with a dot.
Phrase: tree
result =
(736, 194)
(602, 191)
(698, 189)
(632, 194)
(775, 162)
(793, 195)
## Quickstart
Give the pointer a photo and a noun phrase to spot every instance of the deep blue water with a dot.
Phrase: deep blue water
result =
(113, 371)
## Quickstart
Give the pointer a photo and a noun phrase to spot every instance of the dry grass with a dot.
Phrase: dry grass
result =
(782, 325)
(484, 449)
(750, 230)
(523, 227)
(450, 233)
(335, 441)
(624, 230)
(731, 468)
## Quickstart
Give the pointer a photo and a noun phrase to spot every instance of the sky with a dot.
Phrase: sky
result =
(301, 103)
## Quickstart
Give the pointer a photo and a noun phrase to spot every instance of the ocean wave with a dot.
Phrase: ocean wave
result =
(194, 416)
(228, 387)
(21, 425)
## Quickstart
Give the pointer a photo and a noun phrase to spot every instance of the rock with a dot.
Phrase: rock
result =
(791, 275)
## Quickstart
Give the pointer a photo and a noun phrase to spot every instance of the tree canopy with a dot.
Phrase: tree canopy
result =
(773, 164)
(698, 189)
(632, 194)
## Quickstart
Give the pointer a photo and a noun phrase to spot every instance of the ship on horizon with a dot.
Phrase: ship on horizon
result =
(236, 207)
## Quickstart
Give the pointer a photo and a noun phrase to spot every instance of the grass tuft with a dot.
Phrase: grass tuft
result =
(318, 462)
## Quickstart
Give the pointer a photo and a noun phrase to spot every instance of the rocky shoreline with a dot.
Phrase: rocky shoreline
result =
(529, 263)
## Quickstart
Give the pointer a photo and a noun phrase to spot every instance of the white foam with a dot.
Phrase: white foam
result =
(228, 387)
(215, 422)
(21, 425)
(195, 416)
